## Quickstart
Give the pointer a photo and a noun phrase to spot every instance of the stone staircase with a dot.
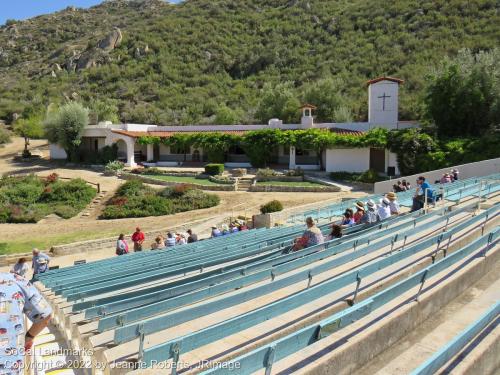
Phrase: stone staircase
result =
(94, 208)
(244, 184)
(51, 355)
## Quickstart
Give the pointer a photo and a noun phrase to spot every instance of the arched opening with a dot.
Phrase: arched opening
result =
(122, 150)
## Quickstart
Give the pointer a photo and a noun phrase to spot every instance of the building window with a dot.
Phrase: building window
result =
(96, 145)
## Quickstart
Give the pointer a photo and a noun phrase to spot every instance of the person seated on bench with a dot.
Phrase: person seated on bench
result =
(312, 236)
(384, 209)
(215, 232)
(394, 204)
(170, 241)
(419, 198)
(348, 219)
(158, 244)
(360, 212)
(336, 232)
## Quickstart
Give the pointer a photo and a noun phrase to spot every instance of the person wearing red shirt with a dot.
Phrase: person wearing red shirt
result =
(138, 239)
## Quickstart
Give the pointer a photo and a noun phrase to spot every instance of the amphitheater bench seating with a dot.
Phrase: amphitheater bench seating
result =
(296, 341)
(454, 347)
(144, 306)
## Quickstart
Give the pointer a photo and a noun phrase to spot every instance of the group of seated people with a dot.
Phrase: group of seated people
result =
(448, 177)
(224, 230)
(371, 212)
(401, 186)
(174, 240)
(366, 213)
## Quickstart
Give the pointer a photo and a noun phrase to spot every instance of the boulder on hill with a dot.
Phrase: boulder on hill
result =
(111, 41)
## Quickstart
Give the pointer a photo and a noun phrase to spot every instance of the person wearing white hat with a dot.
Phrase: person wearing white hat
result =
(384, 209)
(394, 204)
(371, 212)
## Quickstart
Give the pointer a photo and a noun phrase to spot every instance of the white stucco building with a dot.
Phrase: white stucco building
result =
(383, 95)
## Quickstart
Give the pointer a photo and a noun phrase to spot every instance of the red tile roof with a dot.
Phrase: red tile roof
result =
(307, 105)
(378, 79)
(167, 134)
(342, 131)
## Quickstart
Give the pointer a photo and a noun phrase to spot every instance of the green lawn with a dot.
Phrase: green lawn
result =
(290, 183)
(25, 246)
(183, 180)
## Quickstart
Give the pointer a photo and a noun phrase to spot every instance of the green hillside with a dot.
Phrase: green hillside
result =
(179, 64)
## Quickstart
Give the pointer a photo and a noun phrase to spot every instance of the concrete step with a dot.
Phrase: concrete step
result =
(428, 338)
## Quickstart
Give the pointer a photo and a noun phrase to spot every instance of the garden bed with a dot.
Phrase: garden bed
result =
(28, 199)
(165, 180)
(134, 199)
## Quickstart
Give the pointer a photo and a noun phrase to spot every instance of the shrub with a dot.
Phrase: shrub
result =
(134, 199)
(266, 172)
(196, 199)
(370, 176)
(132, 188)
(295, 172)
(152, 171)
(75, 192)
(29, 199)
(343, 176)
(113, 167)
(4, 214)
(221, 180)
(272, 206)
(4, 136)
(214, 169)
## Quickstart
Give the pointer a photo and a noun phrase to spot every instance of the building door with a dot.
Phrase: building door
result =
(377, 159)
(196, 156)
(156, 152)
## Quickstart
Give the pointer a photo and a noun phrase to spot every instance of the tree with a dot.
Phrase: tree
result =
(4, 135)
(326, 95)
(225, 116)
(104, 110)
(317, 140)
(463, 95)
(259, 145)
(278, 102)
(65, 127)
(411, 146)
(29, 128)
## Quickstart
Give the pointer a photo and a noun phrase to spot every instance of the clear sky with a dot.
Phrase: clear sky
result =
(22, 9)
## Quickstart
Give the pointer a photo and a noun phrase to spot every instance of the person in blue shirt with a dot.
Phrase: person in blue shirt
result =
(419, 199)
(18, 297)
(216, 232)
(40, 262)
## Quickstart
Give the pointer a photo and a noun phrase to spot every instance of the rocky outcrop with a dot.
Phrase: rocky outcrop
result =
(111, 41)
(97, 55)
(86, 60)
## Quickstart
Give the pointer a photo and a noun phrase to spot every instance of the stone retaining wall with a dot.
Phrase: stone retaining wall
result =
(153, 181)
(300, 189)
(280, 178)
